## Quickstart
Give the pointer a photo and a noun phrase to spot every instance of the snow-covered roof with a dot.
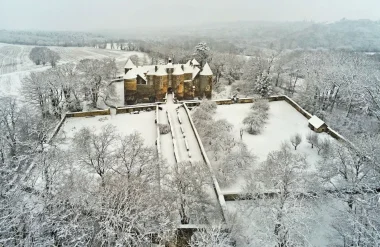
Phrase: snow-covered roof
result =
(178, 70)
(129, 64)
(131, 74)
(188, 69)
(188, 63)
(161, 71)
(169, 65)
(194, 62)
(195, 72)
(316, 122)
(206, 70)
(152, 71)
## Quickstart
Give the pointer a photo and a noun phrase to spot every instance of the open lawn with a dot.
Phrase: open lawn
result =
(283, 122)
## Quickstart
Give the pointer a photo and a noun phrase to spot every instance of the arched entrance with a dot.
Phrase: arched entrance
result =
(170, 90)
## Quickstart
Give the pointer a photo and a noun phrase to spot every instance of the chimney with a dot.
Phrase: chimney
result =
(155, 68)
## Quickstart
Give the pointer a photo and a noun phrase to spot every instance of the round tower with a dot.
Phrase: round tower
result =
(130, 87)
(150, 76)
(188, 72)
(161, 82)
(205, 84)
(178, 78)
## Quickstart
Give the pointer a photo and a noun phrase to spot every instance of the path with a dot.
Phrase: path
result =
(183, 137)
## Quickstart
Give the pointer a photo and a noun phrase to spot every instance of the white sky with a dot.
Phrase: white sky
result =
(123, 14)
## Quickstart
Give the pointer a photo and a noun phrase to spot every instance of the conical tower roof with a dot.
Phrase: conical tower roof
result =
(178, 70)
(129, 64)
(194, 62)
(206, 70)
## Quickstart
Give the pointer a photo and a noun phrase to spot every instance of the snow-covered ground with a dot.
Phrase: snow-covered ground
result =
(283, 122)
(124, 123)
(15, 63)
(314, 221)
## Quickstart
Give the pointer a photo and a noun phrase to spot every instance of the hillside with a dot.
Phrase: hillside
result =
(360, 35)
(56, 38)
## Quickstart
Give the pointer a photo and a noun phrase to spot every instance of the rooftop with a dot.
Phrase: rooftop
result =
(129, 64)
(316, 122)
(206, 70)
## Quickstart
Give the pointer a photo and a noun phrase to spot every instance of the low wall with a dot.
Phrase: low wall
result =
(175, 149)
(88, 113)
(217, 189)
(292, 103)
(158, 140)
(56, 130)
(129, 109)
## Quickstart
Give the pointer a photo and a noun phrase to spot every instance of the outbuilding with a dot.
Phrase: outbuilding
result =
(316, 124)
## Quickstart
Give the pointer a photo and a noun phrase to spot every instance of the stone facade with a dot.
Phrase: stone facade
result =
(151, 83)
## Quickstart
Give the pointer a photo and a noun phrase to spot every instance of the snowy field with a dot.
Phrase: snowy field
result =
(15, 63)
(125, 124)
(283, 122)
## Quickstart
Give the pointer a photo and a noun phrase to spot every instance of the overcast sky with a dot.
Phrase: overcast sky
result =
(125, 14)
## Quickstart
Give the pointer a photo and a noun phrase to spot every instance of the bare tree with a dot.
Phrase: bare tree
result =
(312, 138)
(284, 173)
(213, 236)
(97, 75)
(188, 189)
(239, 161)
(95, 150)
(351, 174)
(296, 140)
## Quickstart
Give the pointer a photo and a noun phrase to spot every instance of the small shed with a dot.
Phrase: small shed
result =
(317, 125)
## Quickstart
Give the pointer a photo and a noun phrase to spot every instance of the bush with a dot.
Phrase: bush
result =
(164, 128)
(260, 105)
(208, 106)
(257, 117)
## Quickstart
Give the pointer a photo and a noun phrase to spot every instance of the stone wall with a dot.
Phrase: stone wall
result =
(160, 91)
(121, 110)
(145, 93)
(130, 87)
(88, 113)
(205, 86)
(188, 90)
(56, 130)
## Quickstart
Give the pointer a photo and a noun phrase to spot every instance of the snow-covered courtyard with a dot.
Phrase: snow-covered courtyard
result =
(283, 122)
(125, 124)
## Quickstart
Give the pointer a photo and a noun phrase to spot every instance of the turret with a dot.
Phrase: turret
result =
(177, 81)
(194, 63)
(205, 85)
(161, 82)
(128, 66)
(130, 87)
(150, 76)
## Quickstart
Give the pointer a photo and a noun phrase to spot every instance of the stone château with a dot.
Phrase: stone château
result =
(150, 83)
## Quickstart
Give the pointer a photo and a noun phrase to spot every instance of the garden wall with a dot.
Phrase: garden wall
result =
(56, 129)
(158, 143)
(88, 113)
(129, 109)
